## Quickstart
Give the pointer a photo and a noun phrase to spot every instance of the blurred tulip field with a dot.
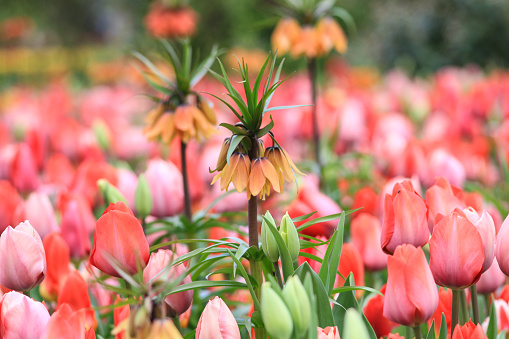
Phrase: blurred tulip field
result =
(284, 169)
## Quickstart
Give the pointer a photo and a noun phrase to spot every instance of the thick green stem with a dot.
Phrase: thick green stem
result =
(464, 309)
(312, 70)
(187, 197)
(475, 303)
(277, 273)
(456, 296)
(417, 331)
(408, 332)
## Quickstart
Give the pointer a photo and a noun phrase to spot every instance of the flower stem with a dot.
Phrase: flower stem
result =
(187, 198)
(475, 303)
(455, 309)
(408, 332)
(464, 309)
(277, 272)
(312, 70)
(417, 331)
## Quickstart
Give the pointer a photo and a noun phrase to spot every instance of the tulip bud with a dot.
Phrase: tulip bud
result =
(21, 316)
(102, 134)
(354, 325)
(275, 315)
(110, 193)
(143, 198)
(217, 321)
(290, 236)
(298, 303)
(269, 244)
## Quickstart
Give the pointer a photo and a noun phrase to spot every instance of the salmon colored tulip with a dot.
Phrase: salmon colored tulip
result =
(160, 270)
(411, 296)
(468, 331)
(22, 258)
(373, 310)
(491, 279)
(119, 237)
(120, 314)
(165, 181)
(328, 333)
(486, 227)
(365, 231)
(24, 173)
(350, 262)
(58, 259)
(502, 247)
(456, 252)
(445, 307)
(59, 171)
(67, 323)
(38, 208)
(11, 205)
(366, 198)
(442, 199)
(318, 251)
(87, 174)
(22, 317)
(405, 218)
(217, 322)
(74, 292)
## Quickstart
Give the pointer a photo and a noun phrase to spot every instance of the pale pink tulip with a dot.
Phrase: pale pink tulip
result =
(328, 333)
(22, 317)
(165, 181)
(217, 322)
(38, 208)
(486, 227)
(491, 279)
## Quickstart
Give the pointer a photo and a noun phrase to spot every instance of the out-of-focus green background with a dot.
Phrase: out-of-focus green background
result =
(418, 36)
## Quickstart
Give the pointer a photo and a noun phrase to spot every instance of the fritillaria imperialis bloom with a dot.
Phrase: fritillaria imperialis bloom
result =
(217, 322)
(22, 258)
(171, 22)
(456, 252)
(411, 296)
(282, 163)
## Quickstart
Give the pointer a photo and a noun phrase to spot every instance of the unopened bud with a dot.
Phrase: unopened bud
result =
(275, 315)
(269, 244)
(102, 134)
(354, 325)
(143, 198)
(290, 236)
(297, 300)
(110, 193)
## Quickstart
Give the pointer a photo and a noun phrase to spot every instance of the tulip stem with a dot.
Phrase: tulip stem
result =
(475, 303)
(312, 70)
(464, 309)
(187, 198)
(455, 309)
(417, 331)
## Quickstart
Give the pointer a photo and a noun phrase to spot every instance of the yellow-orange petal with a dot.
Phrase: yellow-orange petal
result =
(292, 164)
(270, 173)
(234, 161)
(241, 176)
(207, 111)
(256, 177)
(183, 118)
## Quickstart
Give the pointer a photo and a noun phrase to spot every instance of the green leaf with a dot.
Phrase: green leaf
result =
(234, 129)
(151, 66)
(258, 80)
(202, 69)
(355, 288)
(276, 79)
(343, 14)
(331, 257)
(431, 332)
(308, 285)
(323, 219)
(492, 325)
(303, 217)
(266, 129)
(236, 139)
(247, 279)
(238, 254)
(286, 259)
(203, 284)
(323, 309)
(152, 84)
(172, 55)
(231, 108)
(443, 328)
(283, 107)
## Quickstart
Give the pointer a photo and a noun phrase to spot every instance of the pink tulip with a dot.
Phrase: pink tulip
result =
(119, 238)
(68, 323)
(502, 247)
(22, 258)
(159, 269)
(22, 317)
(38, 208)
(24, 174)
(486, 227)
(442, 199)
(328, 333)
(456, 252)
(126, 184)
(217, 322)
(442, 163)
(77, 219)
(365, 231)
(411, 295)
(491, 279)
(165, 181)
(405, 218)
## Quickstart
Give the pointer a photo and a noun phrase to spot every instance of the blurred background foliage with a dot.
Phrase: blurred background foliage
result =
(418, 36)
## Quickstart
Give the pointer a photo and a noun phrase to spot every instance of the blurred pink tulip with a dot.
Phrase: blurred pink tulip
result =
(502, 247)
(442, 163)
(365, 231)
(22, 258)
(217, 322)
(411, 295)
(68, 323)
(126, 184)
(22, 317)
(405, 218)
(77, 219)
(38, 208)
(491, 279)
(159, 269)
(165, 181)
(486, 227)
(328, 333)
(24, 173)
(442, 199)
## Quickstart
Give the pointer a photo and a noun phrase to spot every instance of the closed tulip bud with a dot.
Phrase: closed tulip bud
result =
(74, 292)
(298, 304)
(373, 310)
(110, 193)
(119, 236)
(143, 198)
(456, 252)
(102, 134)
(269, 244)
(327, 333)
(22, 317)
(22, 258)
(502, 247)
(275, 314)
(165, 181)
(217, 322)
(290, 236)
(354, 327)
(411, 296)
(491, 279)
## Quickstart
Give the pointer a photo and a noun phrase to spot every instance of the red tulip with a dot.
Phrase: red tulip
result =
(444, 306)
(468, 331)
(365, 231)
(38, 208)
(486, 227)
(502, 314)
(405, 218)
(165, 181)
(456, 252)
(159, 269)
(67, 323)
(59, 171)
(411, 296)
(74, 292)
(366, 198)
(120, 315)
(442, 198)
(21, 317)
(22, 258)
(23, 172)
(373, 310)
(11, 205)
(491, 279)
(217, 322)
(328, 333)
(502, 247)
(350, 262)
(119, 236)
(58, 259)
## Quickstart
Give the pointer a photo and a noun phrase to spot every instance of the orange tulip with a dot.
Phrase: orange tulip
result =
(350, 262)
(445, 307)
(468, 331)
(67, 323)
(119, 237)
(58, 260)
(411, 296)
(373, 310)
(120, 315)
(365, 231)
(24, 173)
(456, 252)
(405, 218)
(74, 292)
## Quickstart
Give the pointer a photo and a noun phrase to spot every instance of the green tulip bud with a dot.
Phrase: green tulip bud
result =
(269, 244)
(355, 328)
(297, 300)
(110, 193)
(102, 134)
(143, 198)
(290, 236)
(275, 315)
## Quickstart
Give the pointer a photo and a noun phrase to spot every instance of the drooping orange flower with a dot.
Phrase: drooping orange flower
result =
(283, 164)
(286, 34)
(164, 22)
(237, 172)
(331, 36)
(262, 176)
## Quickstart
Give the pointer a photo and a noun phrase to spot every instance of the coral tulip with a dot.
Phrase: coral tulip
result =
(502, 249)
(411, 296)
(74, 292)
(58, 259)
(456, 252)
(373, 310)
(217, 322)
(165, 181)
(23, 172)
(442, 198)
(67, 323)
(468, 331)
(22, 258)
(365, 231)
(119, 237)
(405, 218)
(159, 269)
(350, 262)
(22, 317)
(328, 333)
